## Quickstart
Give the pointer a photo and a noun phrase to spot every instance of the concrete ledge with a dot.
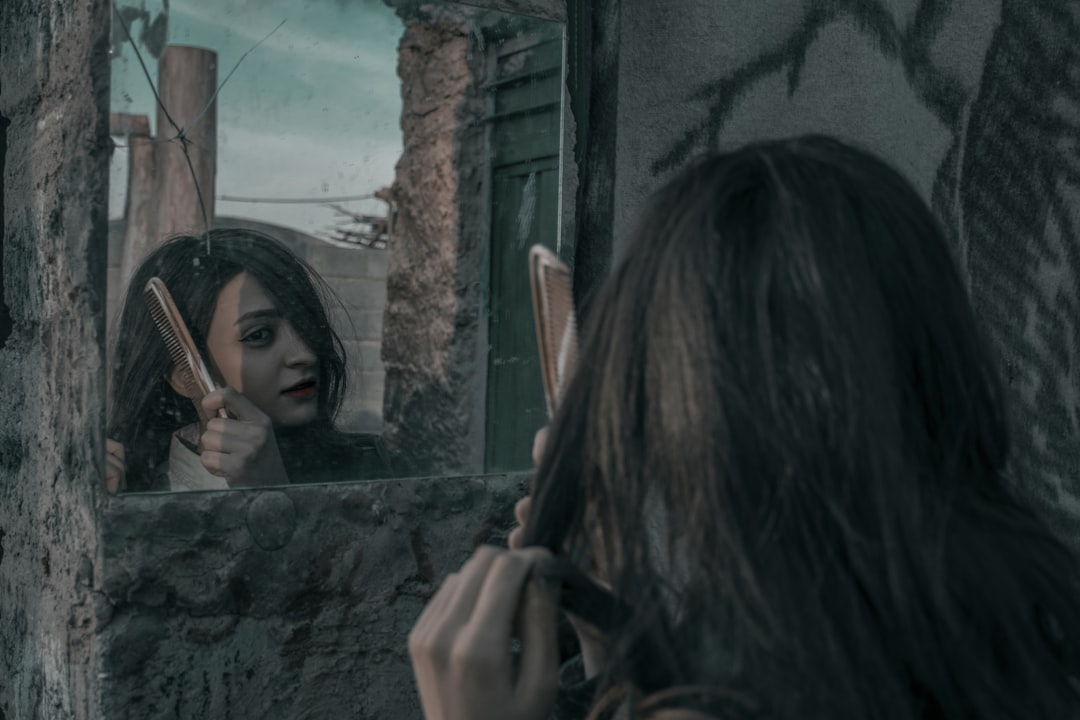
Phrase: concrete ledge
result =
(284, 603)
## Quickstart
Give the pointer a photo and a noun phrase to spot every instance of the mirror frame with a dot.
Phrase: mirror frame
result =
(570, 154)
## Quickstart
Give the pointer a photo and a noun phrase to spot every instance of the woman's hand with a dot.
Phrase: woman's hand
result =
(241, 448)
(521, 509)
(461, 645)
(115, 468)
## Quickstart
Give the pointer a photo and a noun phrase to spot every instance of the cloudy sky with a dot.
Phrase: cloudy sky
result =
(313, 111)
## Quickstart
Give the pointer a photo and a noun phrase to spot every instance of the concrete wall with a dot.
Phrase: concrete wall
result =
(54, 93)
(358, 277)
(291, 604)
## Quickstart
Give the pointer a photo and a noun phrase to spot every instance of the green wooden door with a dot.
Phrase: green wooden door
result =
(525, 211)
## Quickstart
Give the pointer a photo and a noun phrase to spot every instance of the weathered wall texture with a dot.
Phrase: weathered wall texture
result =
(977, 101)
(51, 366)
(434, 347)
(291, 604)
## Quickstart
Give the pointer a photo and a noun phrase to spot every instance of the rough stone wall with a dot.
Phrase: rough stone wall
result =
(51, 366)
(434, 347)
(977, 102)
(291, 604)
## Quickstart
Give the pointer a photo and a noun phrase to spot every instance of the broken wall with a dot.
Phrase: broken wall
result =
(434, 344)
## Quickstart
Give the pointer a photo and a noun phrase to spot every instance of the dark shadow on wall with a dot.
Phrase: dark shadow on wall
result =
(943, 95)
(593, 37)
(6, 323)
(1007, 193)
(1019, 199)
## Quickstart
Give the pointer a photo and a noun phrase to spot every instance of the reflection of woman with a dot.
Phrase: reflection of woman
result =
(257, 313)
(783, 453)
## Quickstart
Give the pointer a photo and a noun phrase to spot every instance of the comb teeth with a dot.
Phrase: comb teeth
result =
(178, 342)
(561, 325)
(171, 343)
(556, 327)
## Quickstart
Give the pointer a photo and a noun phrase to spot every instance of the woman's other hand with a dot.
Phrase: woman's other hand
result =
(241, 448)
(115, 468)
(461, 645)
(521, 509)
(516, 540)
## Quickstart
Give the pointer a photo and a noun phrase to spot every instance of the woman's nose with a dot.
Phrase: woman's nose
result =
(295, 351)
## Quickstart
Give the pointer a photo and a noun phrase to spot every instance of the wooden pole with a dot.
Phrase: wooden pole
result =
(187, 78)
(140, 209)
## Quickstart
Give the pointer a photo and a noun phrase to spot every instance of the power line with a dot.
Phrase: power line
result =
(295, 201)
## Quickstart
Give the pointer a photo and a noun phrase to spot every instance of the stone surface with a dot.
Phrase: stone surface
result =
(52, 377)
(434, 348)
(291, 603)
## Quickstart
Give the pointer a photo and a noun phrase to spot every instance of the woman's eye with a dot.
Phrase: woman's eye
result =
(258, 336)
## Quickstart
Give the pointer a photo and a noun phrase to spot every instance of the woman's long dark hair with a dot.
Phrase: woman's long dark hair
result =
(785, 447)
(145, 410)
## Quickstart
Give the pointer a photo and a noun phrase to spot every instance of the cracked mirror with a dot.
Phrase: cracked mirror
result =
(338, 198)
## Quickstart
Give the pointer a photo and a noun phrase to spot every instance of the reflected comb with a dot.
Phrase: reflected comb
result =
(556, 324)
(193, 373)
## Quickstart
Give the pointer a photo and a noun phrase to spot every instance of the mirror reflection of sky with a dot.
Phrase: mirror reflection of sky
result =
(313, 111)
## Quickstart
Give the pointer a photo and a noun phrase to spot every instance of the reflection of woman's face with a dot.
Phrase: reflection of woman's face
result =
(257, 352)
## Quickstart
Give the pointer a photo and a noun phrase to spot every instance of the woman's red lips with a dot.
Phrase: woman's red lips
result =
(305, 389)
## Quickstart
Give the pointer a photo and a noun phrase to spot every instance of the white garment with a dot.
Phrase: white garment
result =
(186, 471)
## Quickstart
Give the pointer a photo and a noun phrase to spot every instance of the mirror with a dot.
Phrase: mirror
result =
(409, 154)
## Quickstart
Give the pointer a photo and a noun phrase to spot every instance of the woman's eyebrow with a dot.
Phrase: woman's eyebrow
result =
(254, 314)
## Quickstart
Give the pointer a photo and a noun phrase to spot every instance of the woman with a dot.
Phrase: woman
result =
(783, 452)
(258, 316)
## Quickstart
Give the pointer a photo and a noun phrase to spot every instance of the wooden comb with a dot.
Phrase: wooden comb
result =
(193, 373)
(556, 323)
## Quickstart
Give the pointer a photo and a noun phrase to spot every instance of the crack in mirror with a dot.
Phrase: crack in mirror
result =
(340, 198)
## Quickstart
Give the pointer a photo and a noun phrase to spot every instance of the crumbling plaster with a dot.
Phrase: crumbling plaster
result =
(435, 343)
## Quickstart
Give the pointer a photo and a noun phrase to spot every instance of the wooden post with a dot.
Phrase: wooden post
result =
(187, 78)
(140, 209)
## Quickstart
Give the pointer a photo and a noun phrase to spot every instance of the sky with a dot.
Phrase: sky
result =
(312, 111)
